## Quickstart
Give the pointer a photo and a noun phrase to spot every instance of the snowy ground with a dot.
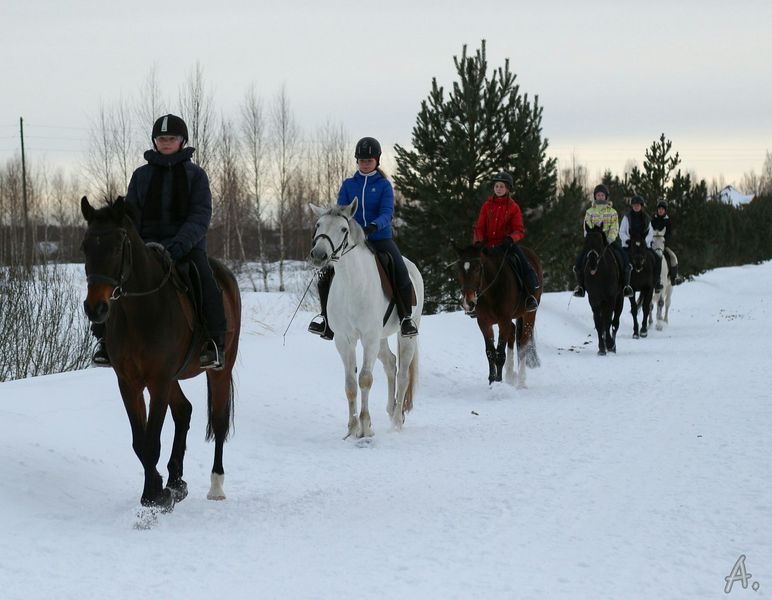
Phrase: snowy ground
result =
(644, 474)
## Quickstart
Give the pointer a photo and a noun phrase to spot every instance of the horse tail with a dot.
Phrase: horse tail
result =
(210, 424)
(407, 406)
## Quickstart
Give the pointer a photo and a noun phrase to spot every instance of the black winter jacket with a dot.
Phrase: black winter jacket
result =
(186, 226)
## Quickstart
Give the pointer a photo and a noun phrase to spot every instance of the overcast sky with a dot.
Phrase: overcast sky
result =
(610, 75)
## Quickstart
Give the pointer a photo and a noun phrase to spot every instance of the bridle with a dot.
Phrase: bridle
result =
(477, 293)
(593, 251)
(342, 249)
(123, 274)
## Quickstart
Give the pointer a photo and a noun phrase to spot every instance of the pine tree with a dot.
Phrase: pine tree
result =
(658, 168)
(483, 126)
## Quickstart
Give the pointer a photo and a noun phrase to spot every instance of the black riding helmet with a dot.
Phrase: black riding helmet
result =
(170, 125)
(637, 200)
(662, 204)
(600, 188)
(505, 177)
(368, 147)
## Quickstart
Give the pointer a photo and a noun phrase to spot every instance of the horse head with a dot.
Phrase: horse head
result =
(333, 237)
(637, 250)
(595, 244)
(470, 274)
(108, 255)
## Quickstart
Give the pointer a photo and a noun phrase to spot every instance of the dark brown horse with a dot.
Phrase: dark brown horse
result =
(604, 288)
(150, 341)
(492, 292)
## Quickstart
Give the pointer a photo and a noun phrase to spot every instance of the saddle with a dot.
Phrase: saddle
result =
(389, 282)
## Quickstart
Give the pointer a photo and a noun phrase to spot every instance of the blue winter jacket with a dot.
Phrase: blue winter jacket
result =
(376, 201)
(188, 233)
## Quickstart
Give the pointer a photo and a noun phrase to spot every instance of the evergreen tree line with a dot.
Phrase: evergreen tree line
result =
(264, 171)
(484, 125)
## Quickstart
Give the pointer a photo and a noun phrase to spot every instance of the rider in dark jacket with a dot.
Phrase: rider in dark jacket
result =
(173, 205)
(661, 222)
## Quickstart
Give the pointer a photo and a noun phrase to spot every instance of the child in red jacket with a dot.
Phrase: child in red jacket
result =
(501, 224)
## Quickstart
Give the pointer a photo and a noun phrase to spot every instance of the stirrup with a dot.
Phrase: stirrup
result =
(578, 292)
(408, 328)
(318, 326)
(531, 305)
(658, 287)
(212, 356)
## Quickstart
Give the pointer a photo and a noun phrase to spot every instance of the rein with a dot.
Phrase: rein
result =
(118, 283)
(342, 249)
(478, 294)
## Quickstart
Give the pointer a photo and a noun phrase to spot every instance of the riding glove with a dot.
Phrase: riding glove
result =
(370, 228)
(175, 251)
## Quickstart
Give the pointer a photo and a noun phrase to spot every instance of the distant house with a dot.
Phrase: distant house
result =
(729, 195)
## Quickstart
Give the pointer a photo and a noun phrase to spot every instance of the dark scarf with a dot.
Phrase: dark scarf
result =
(152, 210)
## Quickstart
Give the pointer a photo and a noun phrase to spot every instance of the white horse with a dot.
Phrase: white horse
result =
(663, 297)
(356, 308)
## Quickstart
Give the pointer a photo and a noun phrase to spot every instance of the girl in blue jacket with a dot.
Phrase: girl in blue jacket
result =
(375, 210)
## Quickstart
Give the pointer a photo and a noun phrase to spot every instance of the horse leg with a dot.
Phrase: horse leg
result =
(667, 302)
(634, 312)
(134, 403)
(348, 355)
(646, 305)
(600, 328)
(509, 366)
(389, 361)
(220, 396)
(369, 354)
(490, 348)
(501, 347)
(181, 411)
(407, 354)
(154, 494)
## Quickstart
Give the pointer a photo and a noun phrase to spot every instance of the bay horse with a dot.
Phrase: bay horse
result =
(150, 341)
(663, 298)
(490, 290)
(643, 280)
(357, 307)
(603, 283)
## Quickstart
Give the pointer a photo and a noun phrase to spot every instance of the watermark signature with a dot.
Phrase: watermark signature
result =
(739, 573)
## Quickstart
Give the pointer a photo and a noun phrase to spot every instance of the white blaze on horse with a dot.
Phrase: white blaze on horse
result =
(662, 298)
(356, 308)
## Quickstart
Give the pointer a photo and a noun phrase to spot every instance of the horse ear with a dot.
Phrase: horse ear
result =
(456, 247)
(86, 209)
(352, 208)
(317, 210)
(119, 208)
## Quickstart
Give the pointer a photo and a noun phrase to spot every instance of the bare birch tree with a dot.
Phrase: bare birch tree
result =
(197, 108)
(333, 161)
(285, 153)
(99, 163)
(149, 106)
(254, 135)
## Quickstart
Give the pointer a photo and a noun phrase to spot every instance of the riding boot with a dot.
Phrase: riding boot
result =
(579, 289)
(404, 299)
(628, 290)
(100, 357)
(675, 278)
(319, 324)
(531, 304)
(213, 353)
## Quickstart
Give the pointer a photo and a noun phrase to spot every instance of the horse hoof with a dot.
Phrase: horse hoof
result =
(601, 353)
(644, 333)
(179, 490)
(164, 503)
(636, 336)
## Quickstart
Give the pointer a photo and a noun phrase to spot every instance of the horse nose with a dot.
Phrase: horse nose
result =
(318, 257)
(98, 314)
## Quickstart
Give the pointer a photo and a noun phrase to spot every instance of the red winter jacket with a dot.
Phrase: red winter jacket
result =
(499, 217)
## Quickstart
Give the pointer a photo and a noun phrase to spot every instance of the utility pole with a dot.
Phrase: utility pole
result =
(27, 239)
